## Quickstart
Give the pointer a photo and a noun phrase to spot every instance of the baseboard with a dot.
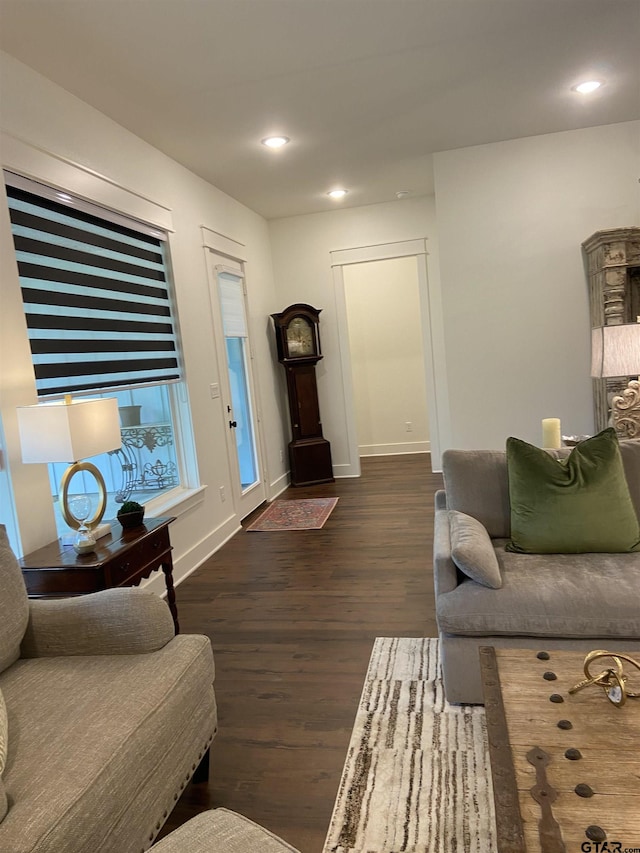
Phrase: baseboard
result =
(341, 471)
(277, 487)
(395, 449)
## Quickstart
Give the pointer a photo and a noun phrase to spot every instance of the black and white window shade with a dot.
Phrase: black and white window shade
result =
(96, 294)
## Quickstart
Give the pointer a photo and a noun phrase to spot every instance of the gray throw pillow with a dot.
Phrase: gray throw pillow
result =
(472, 551)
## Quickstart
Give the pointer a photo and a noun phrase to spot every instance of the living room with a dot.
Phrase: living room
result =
(508, 336)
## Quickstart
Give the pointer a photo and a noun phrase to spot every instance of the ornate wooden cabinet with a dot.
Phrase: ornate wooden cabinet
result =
(613, 272)
(298, 343)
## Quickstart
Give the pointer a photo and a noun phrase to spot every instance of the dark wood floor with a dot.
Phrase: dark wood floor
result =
(292, 617)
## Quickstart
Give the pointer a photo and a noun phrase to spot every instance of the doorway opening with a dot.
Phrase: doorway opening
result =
(387, 357)
(430, 313)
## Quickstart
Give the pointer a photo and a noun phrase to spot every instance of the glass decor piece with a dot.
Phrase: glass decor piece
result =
(80, 509)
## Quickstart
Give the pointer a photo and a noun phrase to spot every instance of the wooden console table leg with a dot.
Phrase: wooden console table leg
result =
(167, 568)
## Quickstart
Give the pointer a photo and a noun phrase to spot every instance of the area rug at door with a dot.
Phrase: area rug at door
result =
(417, 777)
(306, 514)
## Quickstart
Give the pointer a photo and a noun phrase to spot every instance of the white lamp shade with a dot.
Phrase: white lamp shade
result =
(615, 350)
(68, 432)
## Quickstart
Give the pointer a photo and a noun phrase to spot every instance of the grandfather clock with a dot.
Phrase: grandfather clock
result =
(298, 342)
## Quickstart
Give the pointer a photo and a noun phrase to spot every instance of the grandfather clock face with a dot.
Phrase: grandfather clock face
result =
(297, 335)
(300, 338)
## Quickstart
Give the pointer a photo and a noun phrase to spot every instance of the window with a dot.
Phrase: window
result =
(98, 304)
(234, 324)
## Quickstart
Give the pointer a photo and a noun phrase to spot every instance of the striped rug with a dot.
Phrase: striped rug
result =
(416, 778)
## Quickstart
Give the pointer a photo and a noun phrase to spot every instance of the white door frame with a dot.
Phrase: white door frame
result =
(433, 347)
(228, 253)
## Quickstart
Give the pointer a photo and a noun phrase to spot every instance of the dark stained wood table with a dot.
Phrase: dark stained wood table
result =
(565, 767)
(122, 558)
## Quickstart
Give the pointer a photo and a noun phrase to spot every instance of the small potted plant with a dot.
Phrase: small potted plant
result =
(131, 514)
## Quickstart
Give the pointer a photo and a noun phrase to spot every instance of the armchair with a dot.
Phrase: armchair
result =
(109, 715)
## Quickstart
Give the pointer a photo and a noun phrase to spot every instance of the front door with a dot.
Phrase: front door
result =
(239, 396)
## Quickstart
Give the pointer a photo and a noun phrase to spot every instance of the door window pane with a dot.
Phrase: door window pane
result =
(241, 411)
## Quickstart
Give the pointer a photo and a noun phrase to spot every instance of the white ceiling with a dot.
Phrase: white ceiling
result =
(367, 90)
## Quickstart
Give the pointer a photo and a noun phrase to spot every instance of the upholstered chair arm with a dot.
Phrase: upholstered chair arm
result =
(445, 573)
(441, 499)
(221, 831)
(124, 621)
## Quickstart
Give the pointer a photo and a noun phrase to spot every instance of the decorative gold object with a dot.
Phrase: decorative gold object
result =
(613, 679)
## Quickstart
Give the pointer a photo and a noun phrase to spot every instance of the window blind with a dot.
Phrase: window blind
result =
(95, 293)
(232, 304)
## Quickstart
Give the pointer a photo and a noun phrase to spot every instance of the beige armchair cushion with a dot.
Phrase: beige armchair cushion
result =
(15, 604)
(125, 621)
(222, 831)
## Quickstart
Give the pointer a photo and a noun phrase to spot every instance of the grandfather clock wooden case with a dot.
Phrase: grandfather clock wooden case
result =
(298, 343)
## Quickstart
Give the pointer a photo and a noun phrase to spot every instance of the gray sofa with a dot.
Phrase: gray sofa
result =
(108, 716)
(570, 601)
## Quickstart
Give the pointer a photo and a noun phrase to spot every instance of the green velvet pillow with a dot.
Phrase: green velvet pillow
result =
(575, 505)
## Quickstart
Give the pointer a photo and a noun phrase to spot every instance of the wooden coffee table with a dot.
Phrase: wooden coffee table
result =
(566, 768)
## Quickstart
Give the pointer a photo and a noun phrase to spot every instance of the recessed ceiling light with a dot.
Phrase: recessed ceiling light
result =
(64, 197)
(402, 193)
(275, 141)
(588, 86)
(337, 193)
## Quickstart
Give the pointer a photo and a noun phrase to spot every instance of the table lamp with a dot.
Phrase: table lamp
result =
(71, 431)
(615, 351)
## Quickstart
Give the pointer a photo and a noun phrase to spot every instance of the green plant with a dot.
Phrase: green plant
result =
(130, 506)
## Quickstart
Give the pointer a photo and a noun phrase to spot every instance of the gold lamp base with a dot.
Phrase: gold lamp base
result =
(73, 522)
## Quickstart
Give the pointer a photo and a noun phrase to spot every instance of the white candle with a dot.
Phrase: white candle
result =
(551, 436)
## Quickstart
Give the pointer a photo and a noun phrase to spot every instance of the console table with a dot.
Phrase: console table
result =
(122, 558)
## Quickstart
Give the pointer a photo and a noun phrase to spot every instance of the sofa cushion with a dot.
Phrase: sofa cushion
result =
(574, 505)
(560, 595)
(15, 604)
(472, 550)
(630, 452)
(475, 483)
(86, 772)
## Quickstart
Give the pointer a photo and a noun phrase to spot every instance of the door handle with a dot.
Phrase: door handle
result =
(233, 424)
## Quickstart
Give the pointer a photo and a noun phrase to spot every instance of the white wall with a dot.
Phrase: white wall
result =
(48, 134)
(387, 358)
(301, 247)
(511, 220)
